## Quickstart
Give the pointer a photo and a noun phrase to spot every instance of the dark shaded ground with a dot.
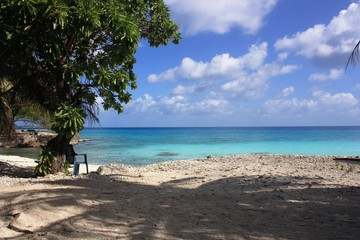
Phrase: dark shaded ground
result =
(244, 207)
(7, 169)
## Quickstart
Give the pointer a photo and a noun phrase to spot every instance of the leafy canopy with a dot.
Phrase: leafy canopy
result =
(75, 50)
(63, 54)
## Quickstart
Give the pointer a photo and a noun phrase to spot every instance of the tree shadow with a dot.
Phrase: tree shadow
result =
(244, 207)
(10, 170)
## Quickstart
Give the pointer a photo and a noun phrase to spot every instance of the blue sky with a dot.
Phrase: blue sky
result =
(249, 63)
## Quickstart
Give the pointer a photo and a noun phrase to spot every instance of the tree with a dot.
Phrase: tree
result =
(66, 53)
(7, 125)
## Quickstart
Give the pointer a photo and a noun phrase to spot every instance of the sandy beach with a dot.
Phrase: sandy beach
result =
(252, 196)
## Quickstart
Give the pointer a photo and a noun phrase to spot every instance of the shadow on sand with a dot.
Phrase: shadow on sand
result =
(245, 207)
(10, 170)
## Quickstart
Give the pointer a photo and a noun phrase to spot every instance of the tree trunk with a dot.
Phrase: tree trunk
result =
(7, 125)
(58, 145)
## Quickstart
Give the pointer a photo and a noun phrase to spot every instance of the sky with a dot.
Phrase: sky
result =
(249, 63)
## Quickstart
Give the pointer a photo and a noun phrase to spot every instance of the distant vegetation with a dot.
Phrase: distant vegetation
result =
(16, 108)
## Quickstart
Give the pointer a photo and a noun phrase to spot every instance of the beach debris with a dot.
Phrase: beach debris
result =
(14, 213)
(14, 225)
(15, 228)
(113, 169)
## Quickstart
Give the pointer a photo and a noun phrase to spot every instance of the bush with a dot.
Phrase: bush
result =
(45, 161)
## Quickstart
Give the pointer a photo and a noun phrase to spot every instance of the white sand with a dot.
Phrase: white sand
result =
(238, 197)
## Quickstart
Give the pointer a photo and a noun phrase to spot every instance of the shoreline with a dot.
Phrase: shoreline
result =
(30, 162)
(17, 167)
(249, 196)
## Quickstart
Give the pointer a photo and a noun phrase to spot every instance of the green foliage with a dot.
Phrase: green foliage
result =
(71, 52)
(348, 167)
(68, 120)
(66, 168)
(57, 50)
(45, 161)
(339, 166)
(351, 168)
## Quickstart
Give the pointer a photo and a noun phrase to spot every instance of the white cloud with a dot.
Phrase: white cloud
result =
(191, 69)
(245, 76)
(180, 90)
(287, 91)
(172, 100)
(248, 87)
(326, 41)
(220, 16)
(283, 56)
(288, 106)
(322, 103)
(334, 74)
(222, 65)
(255, 84)
(183, 90)
(179, 104)
(211, 105)
(342, 100)
(168, 75)
(142, 104)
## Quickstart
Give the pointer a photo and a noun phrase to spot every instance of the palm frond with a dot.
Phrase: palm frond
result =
(354, 57)
(91, 110)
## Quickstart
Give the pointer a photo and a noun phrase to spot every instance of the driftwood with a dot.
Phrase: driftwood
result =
(350, 160)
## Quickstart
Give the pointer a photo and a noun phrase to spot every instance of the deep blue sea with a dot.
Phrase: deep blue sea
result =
(139, 146)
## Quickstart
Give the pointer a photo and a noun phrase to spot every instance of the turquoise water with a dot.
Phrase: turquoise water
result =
(139, 146)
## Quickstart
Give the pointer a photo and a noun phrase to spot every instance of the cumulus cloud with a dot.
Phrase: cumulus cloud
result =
(249, 88)
(178, 105)
(143, 104)
(245, 75)
(253, 85)
(183, 90)
(288, 106)
(334, 74)
(168, 75)
(220, 16)
(342, 100)
(283, 56)
(322, 102)
(288, 91)
(180, 89)
(326, 42)
(222, 65)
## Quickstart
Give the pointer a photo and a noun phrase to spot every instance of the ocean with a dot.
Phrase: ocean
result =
(141, 146)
